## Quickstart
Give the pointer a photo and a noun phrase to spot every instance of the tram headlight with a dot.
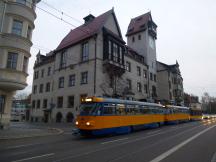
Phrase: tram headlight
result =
(88, 123)
(76, 122)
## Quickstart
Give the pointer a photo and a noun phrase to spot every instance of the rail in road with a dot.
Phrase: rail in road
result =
(193, 141)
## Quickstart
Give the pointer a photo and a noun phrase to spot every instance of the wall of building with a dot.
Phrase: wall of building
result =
(14, 78)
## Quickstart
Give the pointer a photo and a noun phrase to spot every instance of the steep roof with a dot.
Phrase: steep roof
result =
(84, 31)
(139, 23)
(173, 68)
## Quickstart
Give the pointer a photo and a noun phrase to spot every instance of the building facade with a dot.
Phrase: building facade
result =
(170, 83)
(16, 26)
(94, 60)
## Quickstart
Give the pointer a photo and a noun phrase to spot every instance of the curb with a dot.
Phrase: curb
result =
(59, 131)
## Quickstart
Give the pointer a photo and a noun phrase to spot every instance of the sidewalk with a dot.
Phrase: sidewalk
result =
(23, 130)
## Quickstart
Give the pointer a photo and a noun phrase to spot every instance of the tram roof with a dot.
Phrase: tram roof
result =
(120, 101)
(177, 107)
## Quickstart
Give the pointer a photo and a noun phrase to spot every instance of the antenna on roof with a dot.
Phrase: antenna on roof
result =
(113, 8)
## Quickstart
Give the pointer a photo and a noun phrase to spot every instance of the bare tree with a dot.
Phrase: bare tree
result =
(21, 96)
(115, 86)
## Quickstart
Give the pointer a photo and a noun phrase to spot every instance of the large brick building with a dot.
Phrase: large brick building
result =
(94, 60)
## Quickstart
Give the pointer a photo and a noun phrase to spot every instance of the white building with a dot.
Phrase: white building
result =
(94, 60)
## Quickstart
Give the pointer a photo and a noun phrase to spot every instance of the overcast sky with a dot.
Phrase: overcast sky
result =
(186, 32)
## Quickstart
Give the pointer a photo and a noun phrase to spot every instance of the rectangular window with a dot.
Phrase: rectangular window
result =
(36, 74)
(151, 76)
(63, 60)
(21, 1)
(42, 73)
(139, 37)
(25, 64)
(144, 73)
(2, 103)
(61, 82)
(71, 80)
(112, 81)
(120, 55)
(41, 88)
(33, 104)
(84, 78)
(38, 104)
(129, 85)
(29, 31)
(139, 88)
(45, 103)
(110, 50)
(17, 27)
(115, 52)
(60, 102)
(48, 87)
(12, 60)
(146, 88)
(70, 101)
(128, 66)
(85, 52)
(155, 77)
(49, 71)
(35, 89)
(133, 39)
(138, 71)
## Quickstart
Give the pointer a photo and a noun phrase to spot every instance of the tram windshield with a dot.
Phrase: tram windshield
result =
(90, 109)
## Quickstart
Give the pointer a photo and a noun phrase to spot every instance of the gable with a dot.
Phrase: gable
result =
(112, 25)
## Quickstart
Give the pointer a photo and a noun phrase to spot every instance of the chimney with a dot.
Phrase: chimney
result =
(88, 18)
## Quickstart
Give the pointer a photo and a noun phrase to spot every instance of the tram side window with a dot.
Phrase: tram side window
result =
(169, 111)
(131, 109)
(145, 110)
(154, 110)
(109, 109)
(120, 109)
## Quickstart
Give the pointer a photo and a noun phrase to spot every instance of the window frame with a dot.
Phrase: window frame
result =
(61, 82)
(12, 60)
(84, 77)
(69, 105)
(17, 27)
(85, 52)
(72, 80)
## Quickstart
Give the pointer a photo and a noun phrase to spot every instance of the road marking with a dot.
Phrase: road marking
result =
(214, 158)
(154, 132)
(174, 149)
(114, 141)
(123, 143)
(18, 146)
(34, 157)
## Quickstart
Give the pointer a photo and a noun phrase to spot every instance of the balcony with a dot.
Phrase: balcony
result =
(114, 67)
(12, 80)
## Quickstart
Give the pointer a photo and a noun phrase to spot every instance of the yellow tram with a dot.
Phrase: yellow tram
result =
(99, 116)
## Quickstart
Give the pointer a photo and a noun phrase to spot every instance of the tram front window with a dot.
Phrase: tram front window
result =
(90, 109)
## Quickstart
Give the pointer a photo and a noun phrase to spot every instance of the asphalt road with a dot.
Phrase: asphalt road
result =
(188, 142)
